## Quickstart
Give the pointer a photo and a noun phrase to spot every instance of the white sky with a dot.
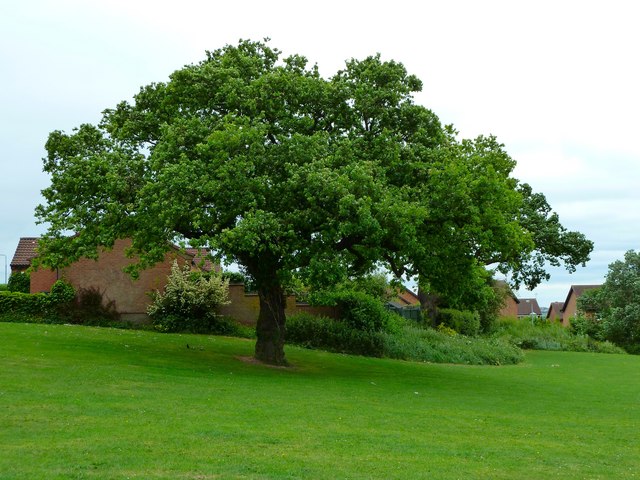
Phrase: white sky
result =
(556, 81)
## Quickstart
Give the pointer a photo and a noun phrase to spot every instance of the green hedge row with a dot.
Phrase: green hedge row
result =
(36, 303)
(18, 302)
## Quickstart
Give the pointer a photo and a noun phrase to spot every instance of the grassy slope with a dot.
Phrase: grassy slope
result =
(79, 402)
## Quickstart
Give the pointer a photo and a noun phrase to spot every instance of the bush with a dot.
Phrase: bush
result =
(466, 323)
(61, 293)
(188, 302)
(333, 335)
(588, 325)
(19, 282)
(359, 311)
(548, 336)
(415, 343)
(41, 305)
(89, 308)
(23, 303)
(407, 342)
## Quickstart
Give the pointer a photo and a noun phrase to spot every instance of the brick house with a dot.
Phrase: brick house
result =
(554, 314)
(25, 252)
(570, 307)
(528, 308)
(510, 305)
(130, 297)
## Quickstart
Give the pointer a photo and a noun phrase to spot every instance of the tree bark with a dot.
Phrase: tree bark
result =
(428, 306)
(270, 328)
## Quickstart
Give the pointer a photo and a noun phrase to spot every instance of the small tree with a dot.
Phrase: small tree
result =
(189, 300)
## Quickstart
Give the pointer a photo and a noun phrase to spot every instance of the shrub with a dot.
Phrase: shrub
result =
(41, 305)
(23, 303)
(360, 311)
(588, 325)
(61, 293)
(333, 335)
(189, 301)
(19, 282)
(548, 336)
(420, 344)
(90, 308)
(466, 323)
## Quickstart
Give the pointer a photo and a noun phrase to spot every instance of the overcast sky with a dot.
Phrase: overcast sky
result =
(558, 82)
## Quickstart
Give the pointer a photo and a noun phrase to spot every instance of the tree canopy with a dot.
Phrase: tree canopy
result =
(616, 304)
(285, 172)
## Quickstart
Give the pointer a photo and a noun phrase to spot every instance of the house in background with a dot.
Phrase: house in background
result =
(404, 298)
(529, 308)
(554, 314)
(25, 252)
(570, 307)
(510, 306)
(130, 297)
(106, 274)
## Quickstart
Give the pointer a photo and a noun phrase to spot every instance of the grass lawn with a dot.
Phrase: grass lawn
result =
(80, 402)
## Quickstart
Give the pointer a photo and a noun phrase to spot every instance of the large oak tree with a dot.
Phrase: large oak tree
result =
(281, 170)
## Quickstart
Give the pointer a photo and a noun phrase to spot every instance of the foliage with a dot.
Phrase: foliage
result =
(285, 172)
(23, 303)
(591, 301)
(617, 302)
(442, 328)
(358, 310)
(89, 307)
(332, 335)
(612, 312)
(189, 301)
(62, 292)
(440, 346)
(4, 287)
(548, 336)
(375, 285)
(37, 306)
(407, 342)
(588, 325)
(240, 277)
(19, 282)
(464, 322)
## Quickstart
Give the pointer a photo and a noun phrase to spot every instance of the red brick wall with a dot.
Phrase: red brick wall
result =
(131, 297)
(570, 309)
(554, 314)
(106, 274)
(510, 308)
(245, 307)
(42, 280)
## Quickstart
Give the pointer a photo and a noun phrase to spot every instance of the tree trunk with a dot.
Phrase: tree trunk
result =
(428, 305)
(270, 328)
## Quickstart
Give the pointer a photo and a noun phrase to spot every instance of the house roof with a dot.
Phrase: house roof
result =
(578, 290)
(407, 297)
(25, 252)
(555, 307)
(501, 284)
(527, 306)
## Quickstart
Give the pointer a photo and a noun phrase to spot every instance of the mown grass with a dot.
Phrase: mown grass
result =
(81, 402)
